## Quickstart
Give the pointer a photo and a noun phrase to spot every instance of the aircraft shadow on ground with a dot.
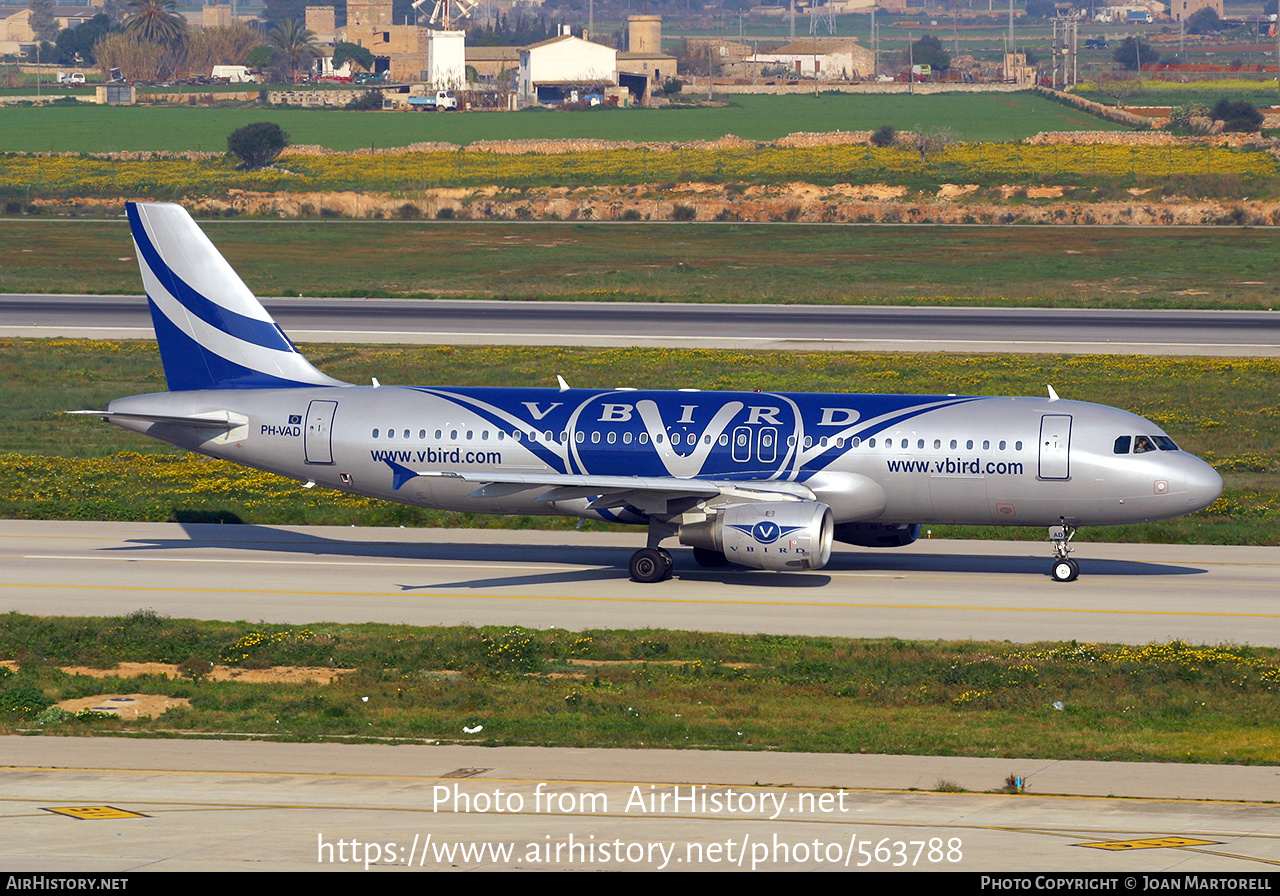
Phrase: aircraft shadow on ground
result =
(609, 560)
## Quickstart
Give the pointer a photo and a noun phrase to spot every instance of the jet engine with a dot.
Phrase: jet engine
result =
(878, 535)
(780, 536)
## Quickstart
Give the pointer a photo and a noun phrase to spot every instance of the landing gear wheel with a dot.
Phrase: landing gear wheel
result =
(648, 565)
(668, 560)
(1066, 570)
(709, 558)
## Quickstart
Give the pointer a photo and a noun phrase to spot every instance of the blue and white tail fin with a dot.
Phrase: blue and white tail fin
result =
(213, 332)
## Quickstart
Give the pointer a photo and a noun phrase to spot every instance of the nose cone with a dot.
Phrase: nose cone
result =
(1204, 485)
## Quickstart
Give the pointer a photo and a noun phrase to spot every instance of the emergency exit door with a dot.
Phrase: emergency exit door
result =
(1055, 446)
(317, 441)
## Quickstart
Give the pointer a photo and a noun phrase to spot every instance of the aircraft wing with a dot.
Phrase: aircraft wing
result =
(650, 494)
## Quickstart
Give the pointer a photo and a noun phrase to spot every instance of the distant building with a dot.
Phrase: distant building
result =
(556, 70)
(1181, 10)
(643, 66)
(827, 59)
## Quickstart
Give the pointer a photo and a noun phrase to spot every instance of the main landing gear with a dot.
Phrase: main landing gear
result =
(651, 565)
(1064, 569)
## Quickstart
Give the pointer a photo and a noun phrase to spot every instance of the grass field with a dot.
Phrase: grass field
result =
(974, 117)
(655, 688)
(53, 466)
(1038, 266)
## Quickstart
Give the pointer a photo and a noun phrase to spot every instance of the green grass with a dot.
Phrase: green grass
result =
(1161, 703)
(53, 466)
(1118, 267)
(974, 117)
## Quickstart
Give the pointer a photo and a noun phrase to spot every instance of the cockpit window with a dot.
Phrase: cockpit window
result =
(1143, 444)
(1122, 444)
(1164, 443)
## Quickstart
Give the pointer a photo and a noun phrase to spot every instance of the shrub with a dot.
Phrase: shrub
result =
(257, 144)
(884, 136)
(1237, 115)
(684, 213)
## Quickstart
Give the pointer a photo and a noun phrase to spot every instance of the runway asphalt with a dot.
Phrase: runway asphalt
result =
(108, 805)
(787, 327)
(576, 580)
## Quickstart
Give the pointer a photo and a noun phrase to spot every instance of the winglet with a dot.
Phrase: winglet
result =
(1053, 396)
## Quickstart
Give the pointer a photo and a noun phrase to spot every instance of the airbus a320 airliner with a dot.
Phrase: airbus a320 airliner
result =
(760, 479)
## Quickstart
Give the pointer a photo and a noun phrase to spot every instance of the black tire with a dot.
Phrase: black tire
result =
(1066, 570)
(709, 558)
(668, 560)
(648, 565)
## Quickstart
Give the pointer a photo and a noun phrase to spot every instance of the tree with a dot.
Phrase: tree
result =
(928, 51)
(1237, 115)
(1134, 53)
(1041, 9)
(258, 144)
(361, 56)
(42, 21)
(932, 140)
(78, 42)
(1204, 21)
(1119, 85)
(156, 22)
(296, 43)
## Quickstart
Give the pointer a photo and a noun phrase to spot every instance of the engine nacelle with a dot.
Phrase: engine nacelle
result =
(878, 535)
(780, 536)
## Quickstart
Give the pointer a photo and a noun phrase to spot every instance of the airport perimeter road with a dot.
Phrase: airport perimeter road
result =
(933, 589)
(111, 805)
(795, 327)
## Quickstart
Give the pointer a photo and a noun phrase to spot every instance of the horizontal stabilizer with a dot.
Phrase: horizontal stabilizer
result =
(218, 420)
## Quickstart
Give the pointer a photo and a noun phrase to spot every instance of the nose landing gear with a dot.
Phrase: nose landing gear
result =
(1064, 569)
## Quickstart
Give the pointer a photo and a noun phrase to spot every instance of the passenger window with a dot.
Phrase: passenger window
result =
(1002, 444)
(437, 435)
(611, 437)
(453, 435)
(580, 435)
(595, 438)
(1017, 446)
(937, 443)
(375, 433)
(406, 433)
(422, 434)
(470, 435)
(871, 443)
(808, 441)
(724, 439)
(954, 444)
(919, 443)
(969, 445)
(986, 444)
(1122, 445)
(856, 442)
(644, 438)
(626, 438)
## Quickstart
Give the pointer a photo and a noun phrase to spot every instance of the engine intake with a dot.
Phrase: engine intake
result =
(779, 536)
